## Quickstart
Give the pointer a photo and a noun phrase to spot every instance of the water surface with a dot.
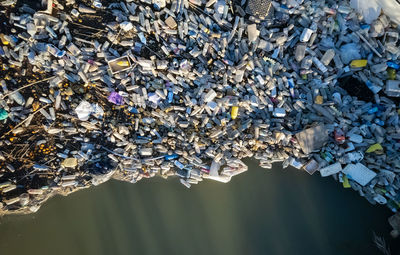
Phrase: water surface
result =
(259, 212)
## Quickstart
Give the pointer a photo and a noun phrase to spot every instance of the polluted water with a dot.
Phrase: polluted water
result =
(93, 90)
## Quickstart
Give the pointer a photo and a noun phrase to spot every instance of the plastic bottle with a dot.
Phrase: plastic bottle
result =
(328, 56)
(3, 114)
(319, 65)
(210, 96)
(306, 63)
(391, 73)
(300, 52)
(305, 35)
(344, 9)
(4, 40)
(378, 68)
(358, 63)
(234, 112)
(291, 87)
(339, 136)
(97, 4)
(62, 42)
(31, 29)
(393, 88)
(393, 65)
(17, 97)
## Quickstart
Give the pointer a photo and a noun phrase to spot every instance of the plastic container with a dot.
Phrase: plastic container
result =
(358, 63)
(234, 112)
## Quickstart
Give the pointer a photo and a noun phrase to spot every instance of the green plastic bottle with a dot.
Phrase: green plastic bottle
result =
(3, 114)
(391, 74)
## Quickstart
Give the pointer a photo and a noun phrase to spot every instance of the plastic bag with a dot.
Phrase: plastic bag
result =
(370, 9)
(391, 8)
(84, 110)
(349, 52)
(115, 98)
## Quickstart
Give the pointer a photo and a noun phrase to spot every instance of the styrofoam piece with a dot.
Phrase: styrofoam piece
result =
(359, 173)
(332, 169)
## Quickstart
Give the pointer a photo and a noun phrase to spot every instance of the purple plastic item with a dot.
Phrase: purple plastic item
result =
(115, 98)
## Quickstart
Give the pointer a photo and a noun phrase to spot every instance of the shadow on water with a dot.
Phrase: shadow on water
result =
(259, 212)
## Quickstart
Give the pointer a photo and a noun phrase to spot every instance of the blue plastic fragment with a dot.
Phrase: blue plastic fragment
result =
(133, 110)
(393, 65)
(170, 96)
(291, 87)
(144, 137)
(170, 157)
(379, 122)
(15, 39)
(373, 110)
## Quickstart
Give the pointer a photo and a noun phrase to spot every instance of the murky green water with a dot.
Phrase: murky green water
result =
(259, 212)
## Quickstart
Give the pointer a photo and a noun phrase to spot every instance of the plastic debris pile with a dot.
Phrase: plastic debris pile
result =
(93, 90)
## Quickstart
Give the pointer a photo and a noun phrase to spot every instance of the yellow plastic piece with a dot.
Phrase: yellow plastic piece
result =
(346, 183)
(319, 100)
(398, 111)
(358, 63)
(374, 148)
(3, 39)
(123, 63)
(234, 112)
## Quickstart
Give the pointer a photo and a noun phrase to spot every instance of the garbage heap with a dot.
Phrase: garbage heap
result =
(93, 90)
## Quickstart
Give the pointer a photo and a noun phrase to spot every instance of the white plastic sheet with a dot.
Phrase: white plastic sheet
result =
(360, 173)
(371, 9)
(391, 8)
